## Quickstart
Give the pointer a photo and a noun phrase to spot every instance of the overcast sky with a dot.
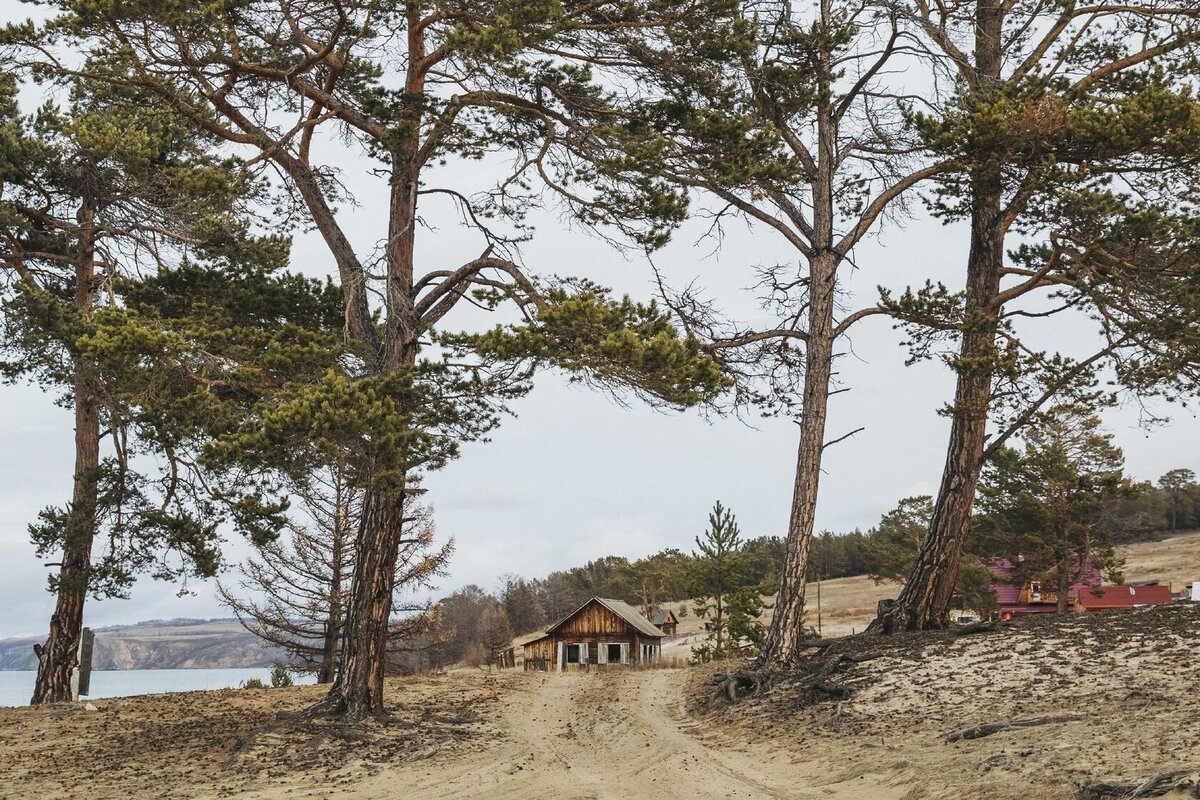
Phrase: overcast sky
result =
(575, 475)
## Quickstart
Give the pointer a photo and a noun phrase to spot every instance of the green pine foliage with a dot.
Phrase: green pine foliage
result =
(724, 598)
(1047, 501)
(615, 344)
(110, 187)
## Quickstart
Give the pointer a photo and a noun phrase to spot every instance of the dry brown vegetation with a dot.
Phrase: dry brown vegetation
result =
(224, 743)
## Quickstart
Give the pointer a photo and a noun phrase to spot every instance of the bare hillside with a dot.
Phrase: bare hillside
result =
(1175, 560)
(164, 645)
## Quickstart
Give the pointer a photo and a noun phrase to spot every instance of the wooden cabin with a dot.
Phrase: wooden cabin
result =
(601, 633)
(666, 621)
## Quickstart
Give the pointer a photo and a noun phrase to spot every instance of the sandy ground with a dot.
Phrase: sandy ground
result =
(649, 734)
(1132, 676)
(618, 734)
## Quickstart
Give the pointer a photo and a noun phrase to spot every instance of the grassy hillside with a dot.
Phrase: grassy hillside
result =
(848, 604)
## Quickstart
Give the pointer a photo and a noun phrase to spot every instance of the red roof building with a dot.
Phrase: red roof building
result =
(1098, 598)
(1014, 599)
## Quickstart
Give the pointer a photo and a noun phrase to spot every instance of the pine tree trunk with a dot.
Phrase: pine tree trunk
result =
(720, 623)
(786, 633)
(1064, 557)
(337, 562)
(782, 643)
(924, 602)
(1064, 582)
(59, 656)
(358, 690)
(333, 635)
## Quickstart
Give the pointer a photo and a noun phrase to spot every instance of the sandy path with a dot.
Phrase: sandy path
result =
(610, 735)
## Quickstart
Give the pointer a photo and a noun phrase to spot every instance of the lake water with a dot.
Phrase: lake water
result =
(16, 686)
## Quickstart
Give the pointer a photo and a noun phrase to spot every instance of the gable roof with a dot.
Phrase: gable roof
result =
(631, 615)
(1124, 596)
(626, 612)
(663, 616)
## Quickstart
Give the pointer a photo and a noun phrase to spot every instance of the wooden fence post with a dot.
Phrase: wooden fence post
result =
(81, 679)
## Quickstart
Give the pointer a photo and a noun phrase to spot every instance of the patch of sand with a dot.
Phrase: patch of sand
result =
(1131, 675)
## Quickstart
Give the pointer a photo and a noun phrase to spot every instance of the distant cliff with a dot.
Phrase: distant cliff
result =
(160, 644)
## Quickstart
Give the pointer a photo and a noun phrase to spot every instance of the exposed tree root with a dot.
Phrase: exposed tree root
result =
(1153, 786)
(336, 709)
(815, 686)
(981, 627)
(987, 729)
(743, 683)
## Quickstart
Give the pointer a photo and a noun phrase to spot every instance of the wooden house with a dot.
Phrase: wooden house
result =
(601, 633)
(666, 621)
(1018, 594)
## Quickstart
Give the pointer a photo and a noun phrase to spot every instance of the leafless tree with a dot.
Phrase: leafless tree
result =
(292, 593)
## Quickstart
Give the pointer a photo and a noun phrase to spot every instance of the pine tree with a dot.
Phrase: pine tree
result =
(1066, 129)
(1046, 500)
(787, 116)
(413, 86)
(719, 573)
(1180, 486)
(292, 593)
(95, 192)
(521, 604)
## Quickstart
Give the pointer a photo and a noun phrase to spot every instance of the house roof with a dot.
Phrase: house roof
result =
(1124, 596)
(631, 615)
(1008, 593)
(664, 615)
(526, 638)
(619, 607)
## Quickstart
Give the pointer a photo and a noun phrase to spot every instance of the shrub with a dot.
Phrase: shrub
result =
(253, 683)
(280, 677)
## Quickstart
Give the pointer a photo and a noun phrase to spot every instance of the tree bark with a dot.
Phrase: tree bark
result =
(1064, 556)
(925, 600)
(341, 540)
(59, 655)
(786, 633)
(358, 690)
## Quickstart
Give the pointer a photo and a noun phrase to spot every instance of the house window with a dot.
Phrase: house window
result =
(614, 653)
(573, 654)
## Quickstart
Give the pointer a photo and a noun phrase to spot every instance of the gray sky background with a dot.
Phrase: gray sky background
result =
(575, 475)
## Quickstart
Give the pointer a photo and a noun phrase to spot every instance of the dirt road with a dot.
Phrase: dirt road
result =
(611, 735)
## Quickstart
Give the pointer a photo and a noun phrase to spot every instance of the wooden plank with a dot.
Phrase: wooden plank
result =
(87, 643)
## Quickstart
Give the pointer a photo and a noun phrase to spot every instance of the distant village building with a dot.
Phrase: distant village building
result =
(1032, 597)
(666, 621)
(1099, 598)
(600, 633)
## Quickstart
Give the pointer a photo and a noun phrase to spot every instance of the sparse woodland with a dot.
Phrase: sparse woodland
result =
(148, 201)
